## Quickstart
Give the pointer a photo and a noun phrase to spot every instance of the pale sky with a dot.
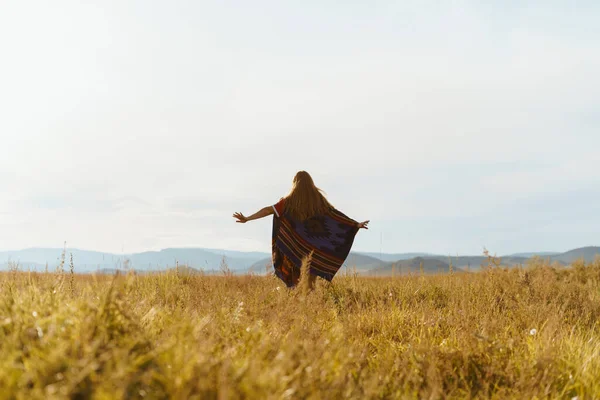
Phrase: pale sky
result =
(140, 125)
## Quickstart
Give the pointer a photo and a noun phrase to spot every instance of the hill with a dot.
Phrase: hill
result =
(362, 262)
(533, 254)
(390, 257)
(196, 258)
(586, 253)
(430, 266)
(90, 261)
(210, 260)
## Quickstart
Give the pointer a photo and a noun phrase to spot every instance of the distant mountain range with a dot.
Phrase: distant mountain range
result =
(88, 261)
(367, 263)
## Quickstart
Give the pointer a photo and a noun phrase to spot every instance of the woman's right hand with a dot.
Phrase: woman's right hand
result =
(363, 225)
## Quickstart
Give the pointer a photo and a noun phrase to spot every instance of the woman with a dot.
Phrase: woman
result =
(306, 225)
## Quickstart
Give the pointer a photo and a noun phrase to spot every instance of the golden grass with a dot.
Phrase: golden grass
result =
(519, 333)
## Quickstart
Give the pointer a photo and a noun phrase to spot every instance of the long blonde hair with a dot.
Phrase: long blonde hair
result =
(305, 200)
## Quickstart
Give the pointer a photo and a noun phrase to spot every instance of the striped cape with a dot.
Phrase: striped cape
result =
(329, 237)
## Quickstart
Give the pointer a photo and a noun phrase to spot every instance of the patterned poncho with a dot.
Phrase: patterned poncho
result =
(329, 237)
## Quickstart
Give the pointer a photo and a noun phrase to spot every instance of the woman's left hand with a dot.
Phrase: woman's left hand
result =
(240, 218)
(363, 225)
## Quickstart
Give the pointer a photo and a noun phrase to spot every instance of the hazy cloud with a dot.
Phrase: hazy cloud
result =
(142, 125)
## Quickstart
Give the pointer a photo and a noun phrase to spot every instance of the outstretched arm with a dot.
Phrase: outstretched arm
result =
(259, 214)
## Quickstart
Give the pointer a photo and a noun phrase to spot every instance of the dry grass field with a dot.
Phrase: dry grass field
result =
(521, 333)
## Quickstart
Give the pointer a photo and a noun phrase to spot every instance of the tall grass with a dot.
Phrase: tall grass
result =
(518, 333)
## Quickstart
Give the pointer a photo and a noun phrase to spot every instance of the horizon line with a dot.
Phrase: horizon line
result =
(427, 253)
